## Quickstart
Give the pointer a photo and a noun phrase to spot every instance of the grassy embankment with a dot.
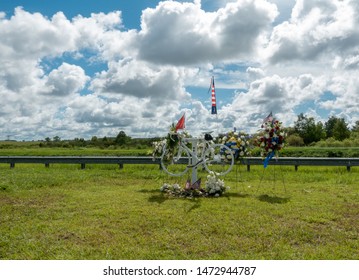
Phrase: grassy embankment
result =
(38, 148)
(63, 212)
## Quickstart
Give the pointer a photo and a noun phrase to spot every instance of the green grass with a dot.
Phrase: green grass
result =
(32, 149)
(63, 212)
(35, 151)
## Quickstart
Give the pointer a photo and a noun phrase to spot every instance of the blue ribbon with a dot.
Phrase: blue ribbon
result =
(268, 158)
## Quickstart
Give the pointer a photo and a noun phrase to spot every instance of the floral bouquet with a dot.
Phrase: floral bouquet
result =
(238, 143)
(189, 191)
(214, 185)
(271, 140)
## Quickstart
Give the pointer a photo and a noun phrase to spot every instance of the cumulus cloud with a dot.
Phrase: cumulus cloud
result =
(135, 78)
(30, 36)
(182, 33)
(316, 28)
(66, 80)
(148, 76)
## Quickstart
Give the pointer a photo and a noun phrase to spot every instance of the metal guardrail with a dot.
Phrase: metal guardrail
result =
(83, 160)
(304, 161)
(121, 160)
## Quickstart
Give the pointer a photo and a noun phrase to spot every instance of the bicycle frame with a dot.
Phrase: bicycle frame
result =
(206, 159)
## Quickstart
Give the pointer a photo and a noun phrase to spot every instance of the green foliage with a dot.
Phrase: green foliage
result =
(308, 130)
(337, 128)
(355, 128)
(122, 138)
(314, 151)
(101, 212)
(295, 140)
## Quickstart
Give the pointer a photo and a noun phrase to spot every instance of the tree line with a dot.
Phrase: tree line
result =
(121, 140)
(306, 131)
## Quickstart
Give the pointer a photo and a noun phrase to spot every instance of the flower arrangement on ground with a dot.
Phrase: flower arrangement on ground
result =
(238, 143)
(271, 139)
(214, 187)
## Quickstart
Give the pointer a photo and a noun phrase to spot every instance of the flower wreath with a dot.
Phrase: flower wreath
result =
(238, 143)
(271, 139)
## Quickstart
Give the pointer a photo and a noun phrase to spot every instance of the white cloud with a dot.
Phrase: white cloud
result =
(148, 73)
(183, 34)
(66, 80)
(30, 36)
(316, 28)
(138, 79)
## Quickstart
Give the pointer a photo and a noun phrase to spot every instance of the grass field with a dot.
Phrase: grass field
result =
(33, 149)
(63, 212)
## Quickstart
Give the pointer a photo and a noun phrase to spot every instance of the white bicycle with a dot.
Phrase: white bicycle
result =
(195, 152)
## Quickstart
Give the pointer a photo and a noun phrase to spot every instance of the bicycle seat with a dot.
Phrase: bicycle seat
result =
(208, 136)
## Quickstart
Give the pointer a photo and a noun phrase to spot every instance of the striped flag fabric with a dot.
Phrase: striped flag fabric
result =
(214, 105)
(269, 118)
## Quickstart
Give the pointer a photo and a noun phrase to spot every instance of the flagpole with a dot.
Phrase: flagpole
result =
(214, 102)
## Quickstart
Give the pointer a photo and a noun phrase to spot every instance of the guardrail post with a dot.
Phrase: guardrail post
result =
(296, 167)
(47, 165)
(120, 165)
(83, 165)
(348, 168)
(248, 167)
(12, 164)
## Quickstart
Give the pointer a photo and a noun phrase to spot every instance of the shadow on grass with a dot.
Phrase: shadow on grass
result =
(273, 199)
(196, 204)
(148, 191)
(157, 196)
(160, 198)
(236, 195)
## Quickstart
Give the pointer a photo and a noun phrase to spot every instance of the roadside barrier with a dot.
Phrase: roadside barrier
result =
(121, 160)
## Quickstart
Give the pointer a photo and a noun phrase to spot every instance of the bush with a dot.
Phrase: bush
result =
(295, 140)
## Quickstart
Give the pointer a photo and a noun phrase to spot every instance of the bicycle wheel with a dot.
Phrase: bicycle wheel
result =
(175, 163)
(218, 159)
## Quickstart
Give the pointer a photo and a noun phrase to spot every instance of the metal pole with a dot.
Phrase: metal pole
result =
(194, 162)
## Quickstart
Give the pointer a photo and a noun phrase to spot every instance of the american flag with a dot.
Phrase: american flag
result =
(195, 186)
(214, 106)
(269, 118)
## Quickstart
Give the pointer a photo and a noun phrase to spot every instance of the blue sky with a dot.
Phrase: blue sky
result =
(131, 9)
(85, 68)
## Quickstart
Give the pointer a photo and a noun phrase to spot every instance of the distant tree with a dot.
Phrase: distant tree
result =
(337, 128)
(308, 130)
(341, 130)
(329, 126)
(57, 139)
(122, 138)
(355, 128)
(48, 139)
